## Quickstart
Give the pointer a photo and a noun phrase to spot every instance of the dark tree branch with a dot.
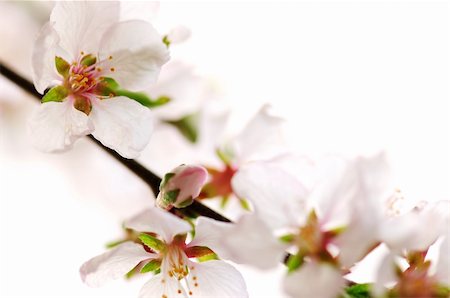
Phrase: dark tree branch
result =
(142, 172)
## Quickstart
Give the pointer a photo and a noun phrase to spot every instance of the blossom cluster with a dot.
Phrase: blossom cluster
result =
(105, 71)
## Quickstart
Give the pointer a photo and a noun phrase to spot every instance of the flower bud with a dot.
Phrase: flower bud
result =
(181, 186)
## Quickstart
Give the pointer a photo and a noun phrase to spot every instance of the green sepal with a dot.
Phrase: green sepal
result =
(151, 266)
(165, 180)
(187, 126)
(245, 204)
(170, 197)
(142, 98)
(110, 87)
(152, 242)
(294, 262)
(88, 60)
(57, 93)
(288, 238)
(208, 257)
(224, 155)
(357, 291)
(114, 243)
(224, 201)
(198, 251)
(62, 66)
(166, 40)
(185, 203)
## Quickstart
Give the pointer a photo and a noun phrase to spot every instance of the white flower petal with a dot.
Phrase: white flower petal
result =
(443, 263)
(81, 24)
(186, 90)
(277, 196)
(216, 279)
(160, 222)
(314, 280)
(261, 137)
(138, 10)
(178, 34)
(162, 286)
(386, 275)
(209, 232)
(113, 264)
(251, 242)
(43, 58)
(55, 126)
(412, 230)
(138, 54)
(122, 124)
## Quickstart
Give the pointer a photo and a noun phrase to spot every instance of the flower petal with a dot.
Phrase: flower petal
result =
(113, 264)
(122, 124)
(138, 10)
(186, 90)
(412, 231)
(80, 25)
(55, 126)
(137, 53)
(314, 280)
(443, 264)
(160, 222)
(261, 137)
(162, 286)
(277, 196)
(216, 279)
(43, 58)
(250, 241)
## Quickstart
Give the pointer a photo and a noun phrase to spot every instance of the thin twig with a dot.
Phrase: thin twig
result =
(151, 179)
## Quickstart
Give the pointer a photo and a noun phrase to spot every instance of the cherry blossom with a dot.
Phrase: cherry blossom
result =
(165, 249)
(81, 48)
(316, 223)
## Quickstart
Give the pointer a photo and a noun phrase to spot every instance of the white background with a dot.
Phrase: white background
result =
(351, 78)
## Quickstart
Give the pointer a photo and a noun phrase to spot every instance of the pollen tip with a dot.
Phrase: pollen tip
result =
(112, 69)
(99, 69)
(82, 53)
(190, 292)
(110, 57)
(196, 285)
(179, 291)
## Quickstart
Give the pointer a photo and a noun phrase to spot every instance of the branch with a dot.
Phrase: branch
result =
(151, 179)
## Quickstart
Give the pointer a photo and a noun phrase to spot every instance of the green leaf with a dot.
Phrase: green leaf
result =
(358, 291)
(88, 60)
(294, 262)
(187, 126)
(62, 66)
(152, 242)
(198, 251)
(151, 266)
(57, 93)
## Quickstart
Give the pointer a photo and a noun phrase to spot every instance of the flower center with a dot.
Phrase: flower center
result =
(177, 263)
(82, 78)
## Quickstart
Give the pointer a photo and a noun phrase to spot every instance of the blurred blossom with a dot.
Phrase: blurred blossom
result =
(163, 247)
(83, 44)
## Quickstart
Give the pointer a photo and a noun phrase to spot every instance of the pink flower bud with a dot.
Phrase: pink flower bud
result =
(181, 186)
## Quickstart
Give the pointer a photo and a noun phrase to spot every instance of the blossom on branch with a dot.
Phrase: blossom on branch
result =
(83, 53)
(163, 248)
